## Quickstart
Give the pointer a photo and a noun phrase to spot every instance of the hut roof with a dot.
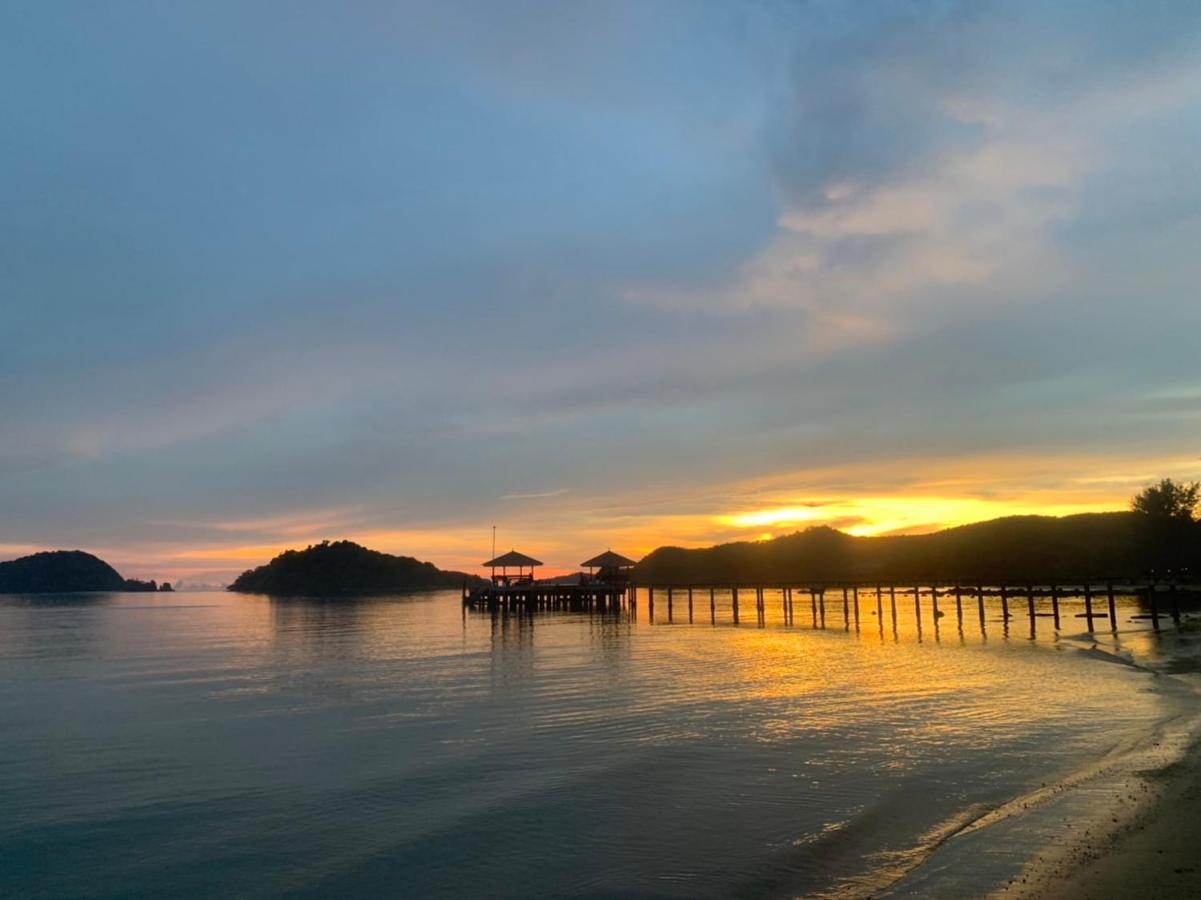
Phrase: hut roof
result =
(513, 558)
(609, 560)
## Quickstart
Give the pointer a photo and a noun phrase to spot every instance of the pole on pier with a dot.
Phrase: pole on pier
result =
(1113, 607)
(1055, 604)
(1088, 605)
(846, 606)
(734, 596)
(712, 606)
(670, 591)
(690, 604)
(1005, 604)
(980, 603)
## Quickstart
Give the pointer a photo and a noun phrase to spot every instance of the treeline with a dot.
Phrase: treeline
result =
(1012, 550)
(345, 568)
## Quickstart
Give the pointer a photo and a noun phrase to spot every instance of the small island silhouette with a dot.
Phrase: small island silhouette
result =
(66, 571)
(345, 568)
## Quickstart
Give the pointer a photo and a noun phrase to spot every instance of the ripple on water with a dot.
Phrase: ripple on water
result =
(392, 745)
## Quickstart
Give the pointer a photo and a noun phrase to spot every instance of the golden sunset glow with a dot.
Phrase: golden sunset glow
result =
(564, 527)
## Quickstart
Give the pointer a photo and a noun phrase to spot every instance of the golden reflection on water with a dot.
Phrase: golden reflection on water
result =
(775, 756)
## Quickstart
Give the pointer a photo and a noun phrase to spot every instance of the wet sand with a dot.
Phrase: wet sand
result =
(1142, 842)
(1150, 854)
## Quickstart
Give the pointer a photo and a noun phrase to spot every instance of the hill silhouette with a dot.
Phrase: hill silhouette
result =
(345, 568)
(58, 571)
(1015, 550)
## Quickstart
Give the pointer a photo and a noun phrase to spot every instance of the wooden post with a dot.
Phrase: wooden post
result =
(1005, 604)
(880, 604)
(1055, 604)
(1030, 601)
(855, 596)
(1088, 605)
(980, 602)
(959, 603)
(650, 602)
(689, 604)
(1175, 604)
(712, 605)
(934, 601)
(734, 597)
(1113, 607)
(670, 593)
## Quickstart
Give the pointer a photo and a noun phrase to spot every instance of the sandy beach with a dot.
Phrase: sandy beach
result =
(1142, 840)
(1152, 854)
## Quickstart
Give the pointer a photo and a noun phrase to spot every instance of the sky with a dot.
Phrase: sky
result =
(599, 274)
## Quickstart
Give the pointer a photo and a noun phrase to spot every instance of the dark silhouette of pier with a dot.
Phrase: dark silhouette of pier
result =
(1093, 604)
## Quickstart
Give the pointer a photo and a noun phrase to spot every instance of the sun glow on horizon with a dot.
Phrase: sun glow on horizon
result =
(874, 516)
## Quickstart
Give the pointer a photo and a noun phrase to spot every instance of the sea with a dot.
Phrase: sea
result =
(216, 744)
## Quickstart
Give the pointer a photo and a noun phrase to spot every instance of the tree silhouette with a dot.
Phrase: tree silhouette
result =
(1168, 500)
(1167, 533)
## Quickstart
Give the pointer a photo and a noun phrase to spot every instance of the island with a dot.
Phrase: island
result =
(65, 572)
(344, 568)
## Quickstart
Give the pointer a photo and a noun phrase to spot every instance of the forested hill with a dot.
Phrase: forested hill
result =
(58, 571)
(1015, 550)
(345, 568)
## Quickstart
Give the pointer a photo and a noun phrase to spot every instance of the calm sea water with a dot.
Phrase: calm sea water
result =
(215, 744)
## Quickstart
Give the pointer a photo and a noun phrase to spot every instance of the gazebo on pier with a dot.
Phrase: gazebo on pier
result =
(612, 568)
(509, 560)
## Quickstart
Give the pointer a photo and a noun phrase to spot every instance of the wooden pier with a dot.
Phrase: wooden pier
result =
(532, 596)
(1085, 599)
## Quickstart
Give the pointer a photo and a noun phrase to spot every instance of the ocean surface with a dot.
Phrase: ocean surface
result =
(208, 744)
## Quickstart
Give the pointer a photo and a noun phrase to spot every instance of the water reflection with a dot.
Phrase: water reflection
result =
(228, 744)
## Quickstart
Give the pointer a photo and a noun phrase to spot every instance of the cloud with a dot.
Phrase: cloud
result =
(535, 495)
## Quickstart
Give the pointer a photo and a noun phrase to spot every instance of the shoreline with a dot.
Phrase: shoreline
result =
(1152, 854)
(1139, 839)
(1140, 842)
(1120, 826)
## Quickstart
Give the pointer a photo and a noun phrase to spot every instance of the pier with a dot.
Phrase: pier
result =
(1084, 601)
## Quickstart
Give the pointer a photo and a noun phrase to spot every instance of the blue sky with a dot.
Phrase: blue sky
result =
(599, 273)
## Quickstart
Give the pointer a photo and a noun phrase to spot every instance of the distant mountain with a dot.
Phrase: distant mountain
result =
(58, 571)
(345, 568)
(1014, 550)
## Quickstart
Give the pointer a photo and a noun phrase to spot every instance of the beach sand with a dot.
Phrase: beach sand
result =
(1143, 840)
(1151, 854)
